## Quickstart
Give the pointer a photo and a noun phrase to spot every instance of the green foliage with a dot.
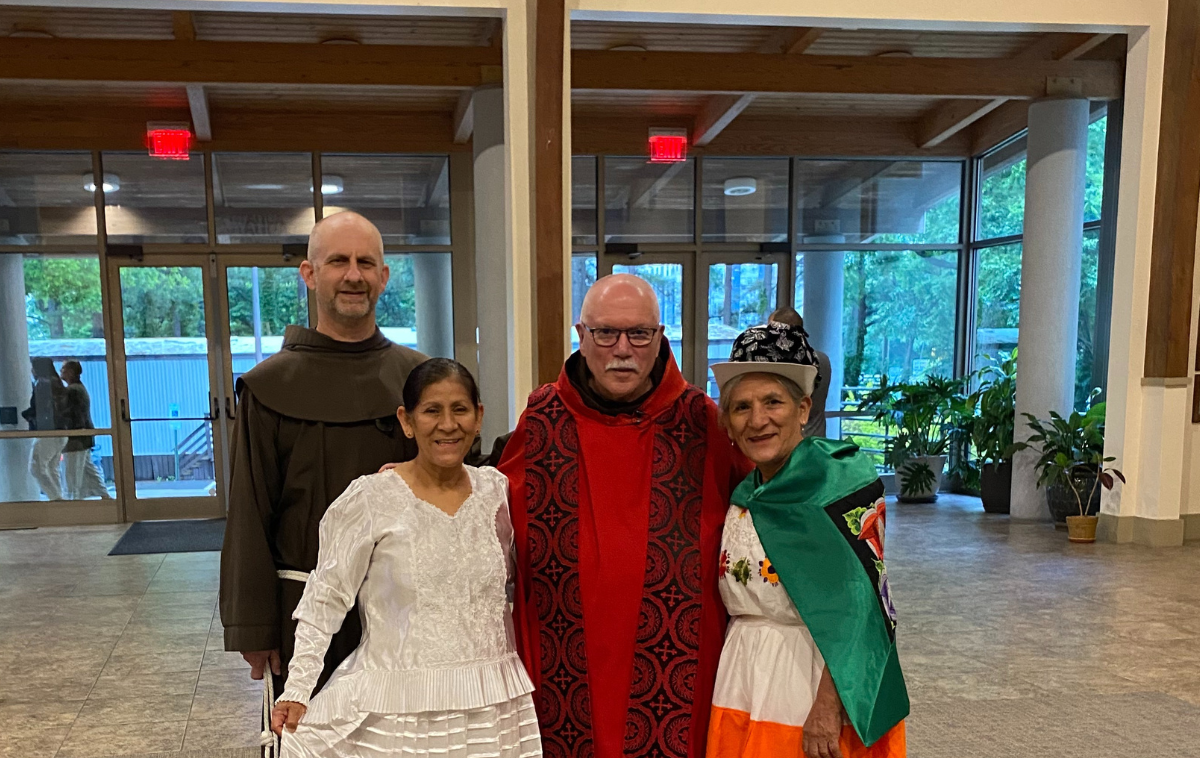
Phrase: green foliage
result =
(283, 300)
(166, 301)
(1071, 452)
(983, 422)
(62, 299)
(920, 412)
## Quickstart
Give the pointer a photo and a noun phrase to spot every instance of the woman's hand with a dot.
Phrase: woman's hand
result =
(286, 713)
(823, 727)
(387, 467)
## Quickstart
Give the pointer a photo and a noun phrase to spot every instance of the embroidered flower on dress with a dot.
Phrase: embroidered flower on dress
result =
(723, 564)
(767, 572)
(741, 571)
(871, 526)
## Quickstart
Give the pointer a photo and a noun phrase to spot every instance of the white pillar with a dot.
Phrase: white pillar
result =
(16, 483)
(493, 276)
(432, 284)
(824, 294)
(1049, 311)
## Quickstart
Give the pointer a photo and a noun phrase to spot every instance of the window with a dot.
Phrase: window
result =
(583, 200)
(1002, 191)
(49, 198)
(416, 308)
(406, 196)
(154, 200)
(884, 202)
(262, 197)
(649, 202)
(667, 281)
(583, 276)
(745, 199)
(740, 295)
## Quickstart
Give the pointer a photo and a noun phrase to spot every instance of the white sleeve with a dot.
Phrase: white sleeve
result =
(504, 527)
(347, 541)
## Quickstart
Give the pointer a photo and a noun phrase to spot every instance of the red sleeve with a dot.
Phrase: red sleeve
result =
(525, 621)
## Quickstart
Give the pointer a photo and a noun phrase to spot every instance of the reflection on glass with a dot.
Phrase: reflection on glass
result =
(406, 196)
(649, 202)
(262, 197)
(997, 302)
(166, 350)
(886, 202)
(57, 468)
(745, 200)
(154, 200)
(740, 295)
(417, 307)
(1002, 191)
(1085, 354)
(48, 198)
(1093, 190)
(583, 276)
(667, 281)
(263, 302)
(583, 200)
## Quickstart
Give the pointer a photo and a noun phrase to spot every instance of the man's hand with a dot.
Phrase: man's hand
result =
(823, 727)
(387, 467)
(286, 713)
(259, 660)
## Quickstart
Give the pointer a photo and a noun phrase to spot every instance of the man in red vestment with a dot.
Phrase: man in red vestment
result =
(620, 479)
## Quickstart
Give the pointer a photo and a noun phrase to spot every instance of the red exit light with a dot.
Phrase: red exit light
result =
(668, 146)
(169, 142)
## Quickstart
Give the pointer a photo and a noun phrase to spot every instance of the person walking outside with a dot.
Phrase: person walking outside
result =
(84, 479)
(43, 415)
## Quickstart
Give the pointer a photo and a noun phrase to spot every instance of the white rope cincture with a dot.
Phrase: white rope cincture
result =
(268, 739)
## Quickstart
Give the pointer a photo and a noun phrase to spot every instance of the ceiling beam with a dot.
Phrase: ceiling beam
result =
(198, 104)
(206, 62)
(36, 127)
(952, 117)
(827, 74)
(720, 110)
(464, 117)
(184, 25)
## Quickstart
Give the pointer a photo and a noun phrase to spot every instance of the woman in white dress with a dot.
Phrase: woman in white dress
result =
(425, 548)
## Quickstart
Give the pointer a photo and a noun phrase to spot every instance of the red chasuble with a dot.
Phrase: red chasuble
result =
(618, 529)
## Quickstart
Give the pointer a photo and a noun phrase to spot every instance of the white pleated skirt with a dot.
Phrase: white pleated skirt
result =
(505, 730)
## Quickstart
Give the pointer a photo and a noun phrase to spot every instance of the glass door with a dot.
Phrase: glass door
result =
(258, 296)
(672, 277)
(736, 291)
(169, 392)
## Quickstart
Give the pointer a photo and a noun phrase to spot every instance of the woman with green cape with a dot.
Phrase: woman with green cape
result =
(809, 667)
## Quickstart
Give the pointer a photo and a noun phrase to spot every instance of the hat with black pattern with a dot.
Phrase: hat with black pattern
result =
(776, 348)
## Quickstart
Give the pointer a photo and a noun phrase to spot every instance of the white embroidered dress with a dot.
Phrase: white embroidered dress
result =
(436, 672)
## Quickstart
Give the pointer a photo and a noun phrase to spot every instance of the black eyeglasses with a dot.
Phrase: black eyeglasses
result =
(639, 336)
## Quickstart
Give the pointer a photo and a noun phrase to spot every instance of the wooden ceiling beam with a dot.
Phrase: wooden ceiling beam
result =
(37, 127)
(198, 104)
(464, 117)
(607, 133)
(825, 74)
(719, 111)
(953, 116)
(184, 25)
(206, 62)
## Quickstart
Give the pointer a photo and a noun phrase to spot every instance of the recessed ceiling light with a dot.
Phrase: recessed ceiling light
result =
(264, 186)
(331, 184)
(111, 182)
(740, 186)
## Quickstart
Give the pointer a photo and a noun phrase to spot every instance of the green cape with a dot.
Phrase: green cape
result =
(801, 519)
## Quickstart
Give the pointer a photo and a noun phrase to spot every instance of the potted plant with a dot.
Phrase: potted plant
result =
(920, 413)
(992, 432)
(1072, 467)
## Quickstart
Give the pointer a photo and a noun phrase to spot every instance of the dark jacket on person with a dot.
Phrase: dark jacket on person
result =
(310, 420)
(45, 406)
(77, 414)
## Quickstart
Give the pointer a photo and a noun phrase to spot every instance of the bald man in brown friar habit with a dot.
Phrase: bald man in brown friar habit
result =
(310, 419)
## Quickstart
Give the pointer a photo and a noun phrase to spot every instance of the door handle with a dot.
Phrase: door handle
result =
(216, 409)
(229, 409)
(124, 411)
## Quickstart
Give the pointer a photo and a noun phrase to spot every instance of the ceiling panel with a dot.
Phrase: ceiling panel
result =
(879, 106)
(644, 102)
(368, 30)
(921, 43)
(87, 94)
(98, 23)
(306, 98)
(605, 35)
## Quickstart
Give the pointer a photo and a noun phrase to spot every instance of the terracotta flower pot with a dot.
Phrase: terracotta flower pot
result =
(1082, 528)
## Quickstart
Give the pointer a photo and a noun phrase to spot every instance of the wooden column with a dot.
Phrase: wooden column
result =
(548, 239)
(1168, 323)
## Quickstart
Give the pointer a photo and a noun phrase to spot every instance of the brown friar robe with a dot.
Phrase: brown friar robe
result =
(310, 420)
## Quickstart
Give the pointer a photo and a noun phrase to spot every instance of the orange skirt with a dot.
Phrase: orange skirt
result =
(731, 734)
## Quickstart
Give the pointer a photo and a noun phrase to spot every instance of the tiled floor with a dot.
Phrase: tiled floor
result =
(1014, 643)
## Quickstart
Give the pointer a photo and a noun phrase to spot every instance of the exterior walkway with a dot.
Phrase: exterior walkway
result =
(1015, 643)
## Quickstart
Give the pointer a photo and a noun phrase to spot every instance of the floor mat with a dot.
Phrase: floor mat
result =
(185, 536)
